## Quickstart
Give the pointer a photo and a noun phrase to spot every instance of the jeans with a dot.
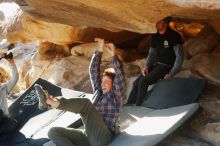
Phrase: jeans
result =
(96, 132)
(140, 85)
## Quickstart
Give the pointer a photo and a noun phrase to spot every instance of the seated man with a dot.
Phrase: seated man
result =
(5, 88)
(101, 117)
(164, 60)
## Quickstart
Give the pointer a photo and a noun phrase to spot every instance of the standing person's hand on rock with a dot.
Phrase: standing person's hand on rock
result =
(101, 43)
(111, 48)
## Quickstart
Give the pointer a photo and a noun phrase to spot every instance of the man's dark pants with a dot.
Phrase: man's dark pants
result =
(140, 85)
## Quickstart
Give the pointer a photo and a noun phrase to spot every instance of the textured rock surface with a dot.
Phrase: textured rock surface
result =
(206, 126)
(125, 54)
(137, 16)
(88, 50)
(217, 49)
(46, 47)
(204, 42)
(52, 66)
(211, 132)
(182, 141)
(18, 26)
(66, 72)
(206, 65)
(10, 20)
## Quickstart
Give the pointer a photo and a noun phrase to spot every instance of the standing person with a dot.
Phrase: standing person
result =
(164, 60)
(5, 89)
(101, 117)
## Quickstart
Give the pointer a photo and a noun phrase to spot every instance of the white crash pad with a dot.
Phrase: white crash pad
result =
(155, 126)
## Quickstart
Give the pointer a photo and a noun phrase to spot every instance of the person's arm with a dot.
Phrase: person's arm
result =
(178, 49)
(11, 83)
(119, 85)
(149, 61)
(94, 71)
(151, 57)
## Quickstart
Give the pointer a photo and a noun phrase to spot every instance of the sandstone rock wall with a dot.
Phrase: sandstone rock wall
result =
(136, 16)
(205, 42)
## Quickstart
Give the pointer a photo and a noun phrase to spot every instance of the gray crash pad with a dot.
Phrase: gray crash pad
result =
(141, 126)
(148, 127)
(174, 92)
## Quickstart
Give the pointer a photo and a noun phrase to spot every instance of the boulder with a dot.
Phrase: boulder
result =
(187, 29)
(204, 42)
(46, 47)
(210, 102)
(66, 72)
(21, 27)
(182, 141)
(217, 49)
(10, 21)
(132, 69)
(187, 74)
(210, 132)
(136, 16)
(206, 65)
(88, 49)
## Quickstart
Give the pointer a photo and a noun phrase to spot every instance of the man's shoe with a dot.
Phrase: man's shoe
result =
(42, 96)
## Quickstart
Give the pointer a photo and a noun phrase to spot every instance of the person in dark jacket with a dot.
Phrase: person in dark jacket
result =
(164, 60)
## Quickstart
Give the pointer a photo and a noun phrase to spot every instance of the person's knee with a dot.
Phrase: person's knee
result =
(136, 82)
(143, 82)
(86, 101)
(53, 132)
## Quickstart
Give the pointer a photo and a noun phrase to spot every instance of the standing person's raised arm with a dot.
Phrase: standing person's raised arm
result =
(119, 80)
(94, 68)
(119, 85)
(11, 83)
(94, 71)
